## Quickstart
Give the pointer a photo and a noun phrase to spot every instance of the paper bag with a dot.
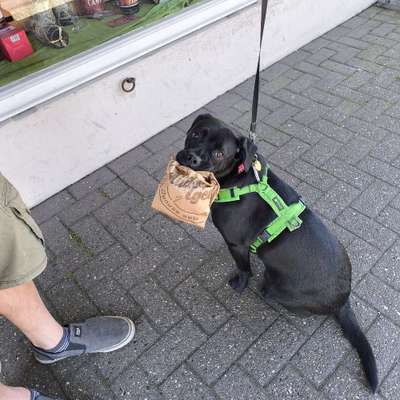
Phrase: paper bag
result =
(186, 195)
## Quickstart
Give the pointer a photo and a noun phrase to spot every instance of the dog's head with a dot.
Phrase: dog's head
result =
(212, 146)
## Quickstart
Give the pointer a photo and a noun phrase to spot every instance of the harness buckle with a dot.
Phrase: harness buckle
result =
(265, 236)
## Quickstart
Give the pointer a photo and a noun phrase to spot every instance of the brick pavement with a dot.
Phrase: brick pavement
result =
(330, 127)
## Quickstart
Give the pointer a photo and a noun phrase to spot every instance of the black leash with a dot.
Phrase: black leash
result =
(256, 92)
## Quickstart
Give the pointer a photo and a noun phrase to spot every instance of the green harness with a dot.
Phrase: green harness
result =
(287, 216)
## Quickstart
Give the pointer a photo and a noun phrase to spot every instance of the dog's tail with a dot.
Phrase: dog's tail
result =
(356, 337)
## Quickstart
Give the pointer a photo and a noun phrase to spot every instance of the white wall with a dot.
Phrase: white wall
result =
(47, 149)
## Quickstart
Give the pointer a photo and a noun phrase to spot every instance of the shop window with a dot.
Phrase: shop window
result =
(36, 34)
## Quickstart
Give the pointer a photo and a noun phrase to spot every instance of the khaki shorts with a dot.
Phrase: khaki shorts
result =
(22, 252)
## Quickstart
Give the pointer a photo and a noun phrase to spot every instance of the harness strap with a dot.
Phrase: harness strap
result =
(287, 215)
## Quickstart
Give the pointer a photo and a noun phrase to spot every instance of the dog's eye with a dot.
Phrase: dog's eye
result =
(195, 135)
(218, 154)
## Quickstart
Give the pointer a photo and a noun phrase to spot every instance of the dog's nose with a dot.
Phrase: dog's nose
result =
(193, 160)
(188, 159)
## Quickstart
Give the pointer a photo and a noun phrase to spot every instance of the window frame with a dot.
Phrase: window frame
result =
(44, 85)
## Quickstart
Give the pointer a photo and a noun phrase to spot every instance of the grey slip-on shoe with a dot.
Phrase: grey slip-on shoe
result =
(95, 335)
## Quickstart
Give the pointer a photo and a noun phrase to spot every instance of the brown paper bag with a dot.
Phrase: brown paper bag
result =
(186, 195)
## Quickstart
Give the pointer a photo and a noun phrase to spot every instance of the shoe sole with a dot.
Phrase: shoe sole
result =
(118, 346)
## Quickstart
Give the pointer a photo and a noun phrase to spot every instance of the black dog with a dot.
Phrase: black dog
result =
(307, 270)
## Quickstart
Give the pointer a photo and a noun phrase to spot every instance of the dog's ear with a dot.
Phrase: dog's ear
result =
(200, 118)
(246, 152)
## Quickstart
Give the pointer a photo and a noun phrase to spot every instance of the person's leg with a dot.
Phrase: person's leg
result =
(14, 393)
(23, 306)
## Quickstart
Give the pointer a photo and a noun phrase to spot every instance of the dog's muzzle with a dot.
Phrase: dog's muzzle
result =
(188, 159)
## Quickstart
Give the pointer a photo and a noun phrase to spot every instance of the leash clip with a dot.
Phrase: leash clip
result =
(255, 165)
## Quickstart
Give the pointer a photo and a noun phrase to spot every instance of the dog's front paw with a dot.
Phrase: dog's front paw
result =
(240, 281)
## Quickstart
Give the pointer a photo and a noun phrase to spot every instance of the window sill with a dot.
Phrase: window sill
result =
(44, 85)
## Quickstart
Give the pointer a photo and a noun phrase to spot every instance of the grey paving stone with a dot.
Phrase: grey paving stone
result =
(390, 217)
(158, 160)
(90, 234)
(379, 92)
(184, 384)
(209, 237)
(387, 267)
(269, 354)
(91, 182)
(265, 149)
(345, 386)
(363, 257)
(381, 170)
(228, 115)
(178, 268)
(368, 130)
(163, 139)
(322, 151)
(274, 71)
(390, 388)
(372, 110)
(338, 114)
(389, 123)
(384, 339)
(169, 234)
(235, 384)
(290, 385)
(70, 302)
(321, 55)
(111, 299)
(141, 181)
(272, 135)
(288, 153)
(336, 199)
(308, 193)
(130, 234)
(201, 305)
(103, 265)
(185, 123)
(312, 175)
(134, 384)
(248, 308)
(85, 383)
(116, 362)
(322, 353)
(57, 236)
(215, 356)
(129, 159)
(316, 44)
(118, 206)
(295, 57)
(52, 206)
(286, 176)
(280, 116)
(348, 173)
(302, 132)
(172, 349)
(323, 97)
(157, 304)
(380, 295)
(302, 83)
(355, 150)
(141, 265)
(367, 229)
(216, 271)
(343, 235)
(83, 207)
(113, 189)
(375, 199)
(331, 130)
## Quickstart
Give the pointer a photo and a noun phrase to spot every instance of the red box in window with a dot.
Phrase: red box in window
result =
(14, 44)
